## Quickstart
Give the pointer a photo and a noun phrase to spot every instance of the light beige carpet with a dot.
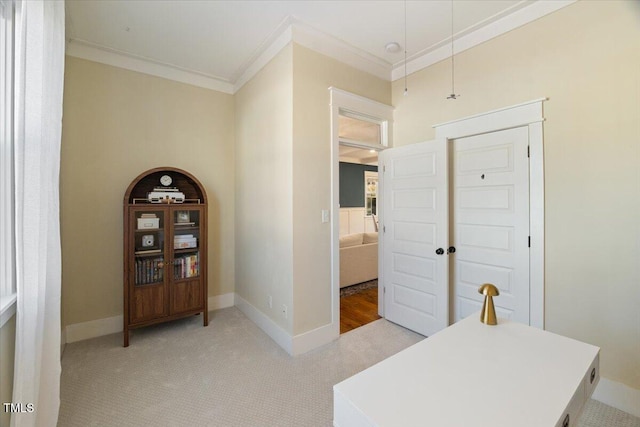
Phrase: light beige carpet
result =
(227, 374)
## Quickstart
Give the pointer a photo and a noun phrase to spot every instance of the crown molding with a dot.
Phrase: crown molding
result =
(323, 43)
(92, 52)
(277, 41)
(293, 29)
(290, 30)
(503, 25)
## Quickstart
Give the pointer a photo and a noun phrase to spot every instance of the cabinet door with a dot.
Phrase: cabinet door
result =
(186, 295)
(147, 303)
(187, 247)
(147, 269)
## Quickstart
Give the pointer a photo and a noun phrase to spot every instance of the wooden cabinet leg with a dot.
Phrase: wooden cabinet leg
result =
(205, 318)
(126, 337)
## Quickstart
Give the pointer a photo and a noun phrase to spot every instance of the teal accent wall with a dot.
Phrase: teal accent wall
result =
(352, 184)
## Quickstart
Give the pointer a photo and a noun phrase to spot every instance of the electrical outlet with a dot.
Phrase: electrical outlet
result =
(284, 311)
(270, 301)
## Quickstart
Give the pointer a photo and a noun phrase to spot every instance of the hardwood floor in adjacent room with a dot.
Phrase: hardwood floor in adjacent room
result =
(358, 309)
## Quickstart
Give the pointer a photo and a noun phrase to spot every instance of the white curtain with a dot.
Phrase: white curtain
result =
(39, 57)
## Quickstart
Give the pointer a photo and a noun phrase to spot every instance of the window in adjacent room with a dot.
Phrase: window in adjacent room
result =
(371, 192)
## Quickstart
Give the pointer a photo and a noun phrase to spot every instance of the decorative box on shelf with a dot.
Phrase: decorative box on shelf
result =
(185, 241)
(148, 223)
(165, 197)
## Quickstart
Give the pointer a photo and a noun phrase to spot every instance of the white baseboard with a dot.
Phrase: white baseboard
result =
(313, 339)
(63, 341)
(271, 328)
(296, 345)
(93, 328)
(618, 395)
(111, 325)
(218, 302)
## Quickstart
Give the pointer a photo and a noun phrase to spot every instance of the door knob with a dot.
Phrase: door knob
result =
(439, 251)
(451, 250)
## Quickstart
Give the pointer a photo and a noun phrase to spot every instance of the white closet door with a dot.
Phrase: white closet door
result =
(414, 228)
(491, 222)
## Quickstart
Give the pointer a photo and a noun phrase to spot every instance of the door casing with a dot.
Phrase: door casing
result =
(341, 100)
(529, 114)
(489, 222)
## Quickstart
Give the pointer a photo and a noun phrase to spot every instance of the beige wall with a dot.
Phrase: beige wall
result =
(263, 186)
(586, 59)
(117, 124)
(283, 182)
(7, 358)
(313, 74)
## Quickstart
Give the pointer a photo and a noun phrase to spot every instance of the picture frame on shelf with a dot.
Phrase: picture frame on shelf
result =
(182, 217)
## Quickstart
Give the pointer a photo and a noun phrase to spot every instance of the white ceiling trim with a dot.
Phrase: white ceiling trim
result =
(325, 44)
(277, 41)
(97, 53)
(291, 29)
(294, 30)
(503, 25)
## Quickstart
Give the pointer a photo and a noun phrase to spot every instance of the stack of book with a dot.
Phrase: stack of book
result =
(186, 266)
(148, 271)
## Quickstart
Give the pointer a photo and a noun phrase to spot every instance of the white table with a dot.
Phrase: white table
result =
(474, 375)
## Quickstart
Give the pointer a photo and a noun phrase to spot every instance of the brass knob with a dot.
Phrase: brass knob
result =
(488, 315)
(161, 265)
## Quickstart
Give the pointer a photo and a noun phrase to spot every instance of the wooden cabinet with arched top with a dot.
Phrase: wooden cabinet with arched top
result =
(165, 248)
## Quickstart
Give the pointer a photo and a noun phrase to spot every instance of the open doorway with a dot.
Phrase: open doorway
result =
(363, 124)
(358, 236)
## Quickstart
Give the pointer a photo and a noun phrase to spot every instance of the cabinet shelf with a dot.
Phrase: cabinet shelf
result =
(162, 283)
(144, 254)
(184, 251)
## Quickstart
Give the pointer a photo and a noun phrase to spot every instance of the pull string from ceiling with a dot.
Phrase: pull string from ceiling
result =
(406, 89)
(453, 91)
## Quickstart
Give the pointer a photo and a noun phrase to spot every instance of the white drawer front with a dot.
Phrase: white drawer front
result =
(570, 415)
(592, 377)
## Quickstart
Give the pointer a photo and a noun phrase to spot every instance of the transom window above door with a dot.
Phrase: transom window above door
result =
(355, 129)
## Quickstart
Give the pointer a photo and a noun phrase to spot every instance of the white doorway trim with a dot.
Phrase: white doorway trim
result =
(528, 114)
(341, 102)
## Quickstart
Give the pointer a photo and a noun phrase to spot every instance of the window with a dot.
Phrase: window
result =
(362, 130)
(371, 192)
(7, 180)
(356, 129)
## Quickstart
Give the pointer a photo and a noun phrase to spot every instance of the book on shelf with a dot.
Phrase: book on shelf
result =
(182, 224)
(187, 266)
(148, 215)
(148, 271)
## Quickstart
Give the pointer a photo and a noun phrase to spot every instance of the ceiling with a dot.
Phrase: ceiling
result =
(222, 40)
(358, 155)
